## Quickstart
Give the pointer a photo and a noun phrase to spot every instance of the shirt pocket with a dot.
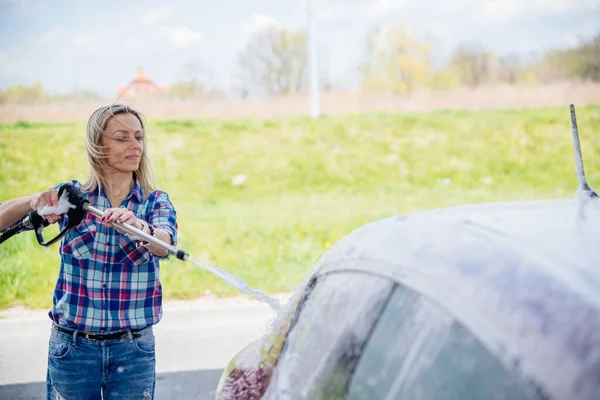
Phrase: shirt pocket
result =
(80, 240)
(131, 253)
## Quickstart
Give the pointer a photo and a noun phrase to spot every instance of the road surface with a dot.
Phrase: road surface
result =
(194, 341)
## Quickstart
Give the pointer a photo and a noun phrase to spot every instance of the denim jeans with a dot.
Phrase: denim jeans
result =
(84, 369)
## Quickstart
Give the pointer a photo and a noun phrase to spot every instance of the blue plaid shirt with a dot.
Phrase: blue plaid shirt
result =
(105, 281)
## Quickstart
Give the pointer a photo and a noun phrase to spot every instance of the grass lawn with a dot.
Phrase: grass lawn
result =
(305, 184)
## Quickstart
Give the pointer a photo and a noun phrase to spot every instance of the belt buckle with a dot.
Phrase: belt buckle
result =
(88, 336)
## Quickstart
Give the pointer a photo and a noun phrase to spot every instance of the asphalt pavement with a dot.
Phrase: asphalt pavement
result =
(194, 341)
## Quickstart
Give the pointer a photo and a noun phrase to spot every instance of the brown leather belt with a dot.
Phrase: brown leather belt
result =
(99, 336)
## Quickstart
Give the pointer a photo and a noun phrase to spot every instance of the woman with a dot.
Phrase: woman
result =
(108, 294)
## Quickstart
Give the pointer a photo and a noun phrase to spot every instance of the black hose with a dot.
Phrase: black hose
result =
(31, 220)
(13, 230)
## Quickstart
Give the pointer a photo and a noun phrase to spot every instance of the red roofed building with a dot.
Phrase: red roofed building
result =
(140, 88)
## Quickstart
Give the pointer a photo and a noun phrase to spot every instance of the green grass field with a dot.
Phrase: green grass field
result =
(308, 184)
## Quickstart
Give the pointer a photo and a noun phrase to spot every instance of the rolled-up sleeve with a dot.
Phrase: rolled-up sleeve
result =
(163, 216)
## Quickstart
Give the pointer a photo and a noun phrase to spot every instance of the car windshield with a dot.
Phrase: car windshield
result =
(327, 337)
(418, 351)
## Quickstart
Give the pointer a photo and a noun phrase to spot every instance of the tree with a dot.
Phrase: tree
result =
(556, 65)
(580, 62)
(37, 94)
(193, 82)
(22, 94)
(275, 60)
(395, 62)
(475, 66)
(510, 68)
(187, 90)
(444, 79)
(589, 56)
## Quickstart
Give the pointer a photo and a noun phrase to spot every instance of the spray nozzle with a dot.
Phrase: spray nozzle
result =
(72, 200)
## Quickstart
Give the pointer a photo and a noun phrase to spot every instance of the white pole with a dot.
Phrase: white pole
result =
(315, 98)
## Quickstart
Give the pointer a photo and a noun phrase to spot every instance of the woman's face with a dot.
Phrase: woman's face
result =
(124, 141)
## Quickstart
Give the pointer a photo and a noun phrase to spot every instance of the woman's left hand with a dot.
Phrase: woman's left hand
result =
(122, 215)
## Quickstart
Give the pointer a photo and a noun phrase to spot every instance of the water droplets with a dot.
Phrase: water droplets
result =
(241, 285)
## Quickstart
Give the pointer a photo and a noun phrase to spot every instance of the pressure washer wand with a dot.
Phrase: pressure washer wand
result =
(78, 205)
(180, 254)
(82, 205)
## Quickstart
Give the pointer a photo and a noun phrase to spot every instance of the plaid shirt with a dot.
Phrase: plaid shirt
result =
(105, 282)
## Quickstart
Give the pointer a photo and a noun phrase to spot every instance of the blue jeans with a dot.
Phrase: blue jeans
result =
(84, 369)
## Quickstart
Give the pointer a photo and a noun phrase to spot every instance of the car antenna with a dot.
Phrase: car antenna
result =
(584, 189)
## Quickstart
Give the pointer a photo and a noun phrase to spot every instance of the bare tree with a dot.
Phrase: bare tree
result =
(474, 65)
(581, 62)
(589, 54)
(275, 60)
(510, 68)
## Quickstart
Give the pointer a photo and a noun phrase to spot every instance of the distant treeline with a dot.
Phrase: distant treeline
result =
(398, 63)
(37, 93)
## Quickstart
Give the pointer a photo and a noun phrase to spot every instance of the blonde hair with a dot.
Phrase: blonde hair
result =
(96, 155)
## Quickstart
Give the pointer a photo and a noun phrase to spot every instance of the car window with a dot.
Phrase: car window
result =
(327, 337)
(417, 351)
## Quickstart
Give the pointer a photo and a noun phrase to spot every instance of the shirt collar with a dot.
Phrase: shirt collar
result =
(136, 191)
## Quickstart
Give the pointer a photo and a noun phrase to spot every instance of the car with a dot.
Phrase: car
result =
(485, 301)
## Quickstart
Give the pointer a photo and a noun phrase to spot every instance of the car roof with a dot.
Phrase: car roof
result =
(524, 277)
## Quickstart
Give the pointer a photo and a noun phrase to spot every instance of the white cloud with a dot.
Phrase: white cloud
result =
(48, 38)
(506, 10)
(84, 39)
(156, 15)
(380, 6)
(133, 41)
(486, 10)
(182, 36)
(263, 21)
(328, 12)
(257, 22)
(95, 42)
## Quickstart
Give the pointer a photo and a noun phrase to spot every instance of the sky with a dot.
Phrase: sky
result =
(99, 45)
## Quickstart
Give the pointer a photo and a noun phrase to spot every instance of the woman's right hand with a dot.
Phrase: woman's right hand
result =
(47, 198)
